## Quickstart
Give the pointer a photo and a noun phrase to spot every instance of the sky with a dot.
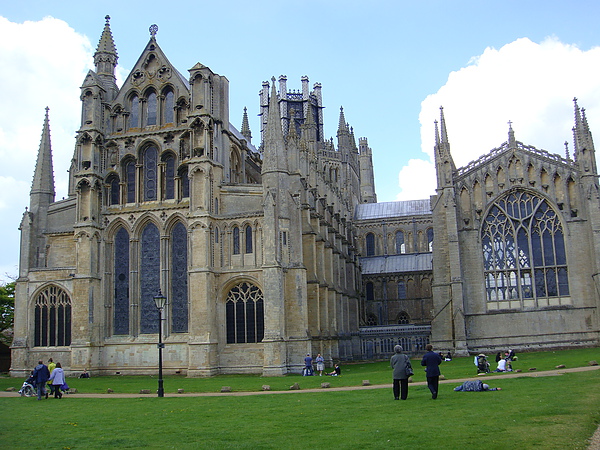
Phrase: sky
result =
(390, 64)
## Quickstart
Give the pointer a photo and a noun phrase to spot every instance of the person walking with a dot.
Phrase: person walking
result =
(432, 361)
(57, 377)
(402, 370)
(41, 375)
(51, 366)
(308, 365)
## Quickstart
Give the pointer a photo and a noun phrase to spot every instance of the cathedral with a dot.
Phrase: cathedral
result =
(265, 254)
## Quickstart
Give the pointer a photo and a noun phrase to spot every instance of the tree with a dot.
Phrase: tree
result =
(7, 312)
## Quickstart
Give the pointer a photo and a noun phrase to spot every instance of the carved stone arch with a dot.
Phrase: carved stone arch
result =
(83, 182)
(114, 226)
(148, 142)
(84, 138)
(544, 178)
(174, 220)
(501, 177)
(144, 220)
(477, 197)
(118, 108)
(465, 205)
(489, 184)
(559, 190)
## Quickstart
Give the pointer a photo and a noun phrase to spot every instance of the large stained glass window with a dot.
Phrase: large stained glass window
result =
(149, 278)
(523, 251)
(150, 173)
(121, 302)
(244, 309)
(179, 279)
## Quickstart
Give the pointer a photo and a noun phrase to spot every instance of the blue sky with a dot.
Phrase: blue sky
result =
(390, 64)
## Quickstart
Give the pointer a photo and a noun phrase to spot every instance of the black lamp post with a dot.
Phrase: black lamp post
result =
(160, 301)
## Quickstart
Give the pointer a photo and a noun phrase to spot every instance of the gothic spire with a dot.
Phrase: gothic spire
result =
(105, 59)
(584, 151)
(512, 142)
(246, 127)
(274, 147)
(444, 163)
(43, 178)
(444, 135)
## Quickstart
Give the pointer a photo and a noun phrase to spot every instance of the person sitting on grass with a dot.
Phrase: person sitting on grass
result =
(337, 371)
(475, 386)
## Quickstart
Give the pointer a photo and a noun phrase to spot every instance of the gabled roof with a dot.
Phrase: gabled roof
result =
(414, 262)
(366, 211)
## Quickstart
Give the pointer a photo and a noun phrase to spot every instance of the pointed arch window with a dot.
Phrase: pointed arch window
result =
(151, 111)
(236, 240)
(184, 181)
(114, 190)
(150, 173)
(370, 244)
(52, 325)
(169, 177)
(130, 180)
(134, 115)
(169, 114)
(149, 278)
(121, 283)
(400, 245)
(248, 239)
(401, 290)
(244, 308)
(370, 292)
(430, 239)
(403, 318)
(523, 251)
(179, 279)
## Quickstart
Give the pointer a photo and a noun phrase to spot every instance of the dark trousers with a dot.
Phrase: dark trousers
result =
(432, 384)
(401, 388)
(57, 392)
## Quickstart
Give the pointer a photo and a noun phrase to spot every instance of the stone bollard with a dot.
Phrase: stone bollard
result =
(11, 389)
(295, 387)
(518, 370)
(442, 377)
(266, 387)
(366, 383)
(593, 363)
(410, 379)
(533, 368)
(325, 385)
(561, 366)
(180, 391)
(145, 391)
(226, 389)
(72, 391)
(109, 391)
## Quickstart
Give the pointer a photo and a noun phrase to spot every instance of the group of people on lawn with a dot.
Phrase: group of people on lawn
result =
(54, 376)
(308, 367)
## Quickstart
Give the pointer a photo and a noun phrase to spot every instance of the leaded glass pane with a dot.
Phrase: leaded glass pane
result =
(179, 279)
(236, 241)
(244, 314)
(370, 241)
(121, 283)
(130, 179)
(134, 115)
(170, 177)
(52, 318)
(149, 278)
(370, 292)
(248, 239)
(400, 246)
(151, 103)
(185, 182)
(169, 104)
(114, 191)
(401, 290)
(150, 173)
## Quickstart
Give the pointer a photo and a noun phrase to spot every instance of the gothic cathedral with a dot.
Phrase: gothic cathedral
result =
(267, 253)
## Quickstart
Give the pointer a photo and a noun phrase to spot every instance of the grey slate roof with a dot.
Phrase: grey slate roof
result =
(365, 211)
(414, 262)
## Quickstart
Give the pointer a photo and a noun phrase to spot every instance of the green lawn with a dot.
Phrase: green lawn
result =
(542, 412)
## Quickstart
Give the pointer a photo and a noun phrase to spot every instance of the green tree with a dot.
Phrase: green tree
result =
(7, 312)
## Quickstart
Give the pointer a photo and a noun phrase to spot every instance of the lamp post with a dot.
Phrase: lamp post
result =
(159, 301)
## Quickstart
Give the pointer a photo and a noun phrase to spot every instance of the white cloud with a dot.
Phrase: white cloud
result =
(44, 63)
(528, 83)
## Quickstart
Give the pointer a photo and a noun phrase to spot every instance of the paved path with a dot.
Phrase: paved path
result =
(456, 381)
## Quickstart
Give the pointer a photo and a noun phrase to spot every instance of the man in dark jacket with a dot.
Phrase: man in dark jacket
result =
(432, 362)
(41, 375)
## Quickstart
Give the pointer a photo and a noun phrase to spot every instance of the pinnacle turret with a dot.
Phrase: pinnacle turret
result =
(246, 126)
(105, 58)
(43, 178)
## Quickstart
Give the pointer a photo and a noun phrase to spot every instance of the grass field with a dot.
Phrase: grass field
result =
(530, 412)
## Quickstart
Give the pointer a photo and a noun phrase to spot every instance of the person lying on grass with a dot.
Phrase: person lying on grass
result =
(475, 386)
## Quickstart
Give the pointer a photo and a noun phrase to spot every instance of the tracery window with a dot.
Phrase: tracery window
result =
(52, 325)
(400, 245)
(244, 308)
(114, 191)
(370, 244)
(150, 173)
(184, 181)
(523, 250)
(403, 318)
(121, 283)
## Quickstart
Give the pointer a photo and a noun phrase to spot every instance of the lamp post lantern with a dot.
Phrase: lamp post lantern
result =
(159, 301)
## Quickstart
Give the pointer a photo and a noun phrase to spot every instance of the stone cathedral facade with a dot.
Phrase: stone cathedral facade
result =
(268, 253)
